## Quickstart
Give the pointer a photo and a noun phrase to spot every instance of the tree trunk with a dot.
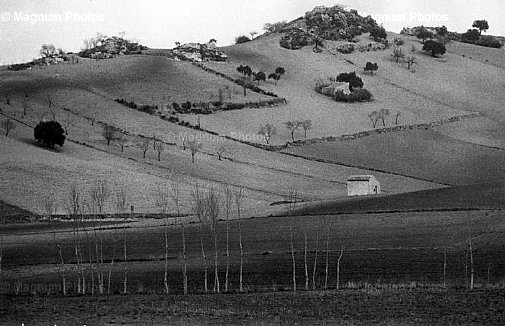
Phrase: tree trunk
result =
(293, 260)
(471, 266)
(338, 267)
(327, 260)
(445, 266)
(205, 278)
(315, 263)
(184, 262)
(216, 262)
(125, 267)
(63, 279)
(227, 251)
(241, 289)
(305, 261)
(165, 278)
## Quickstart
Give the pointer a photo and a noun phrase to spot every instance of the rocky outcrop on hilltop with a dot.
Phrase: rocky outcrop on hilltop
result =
(111, 47)
(326, 23)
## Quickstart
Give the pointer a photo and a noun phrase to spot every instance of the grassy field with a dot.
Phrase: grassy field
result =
(393, 308)
(423, 154)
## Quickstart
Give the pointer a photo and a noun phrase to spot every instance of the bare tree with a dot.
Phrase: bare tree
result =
(109, 133)
(397, 117)
(159, 147)
(62, 267)
(383, 113)
(143, 144)
(198, 205)
(411, 60)
(194, 148)
(74, 207)
(314, 270)
(25, 106)
(374, 117)
(328, 232)
(306, 125)
(212, 212)
(8, 125)
(220, 150)
(338, 266)
(50, 97)
(267, 131)
(176, 196)
(162, 202)
(121, 206)
(99, 195)
(292, 126)
(121, 140)
(291, 200)
(239, 197)
(227, 204)
(253, 34)
(398, 53)
(49, 204)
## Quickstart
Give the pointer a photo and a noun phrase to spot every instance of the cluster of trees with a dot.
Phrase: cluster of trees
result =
(258, 76)
(274, 27)
(474, 35)
(371, 67)
(381, 115)
(244, 39)
(268, 131)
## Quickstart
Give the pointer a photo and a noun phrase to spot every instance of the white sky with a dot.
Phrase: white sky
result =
(159, 23)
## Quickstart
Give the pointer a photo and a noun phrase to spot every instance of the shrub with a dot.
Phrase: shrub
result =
(398, 41)
(489, 41)
(50, 133)
(471, 36)
(359, 95)
(242, 39)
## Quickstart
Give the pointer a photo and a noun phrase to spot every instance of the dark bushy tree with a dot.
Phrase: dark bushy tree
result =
(489, 41)
(260, 76)
(50, 133)
(351, 78)
(379, 33)
(371, 67)
(481, 25)
(434, 47)
(242, 39)
(245, 70)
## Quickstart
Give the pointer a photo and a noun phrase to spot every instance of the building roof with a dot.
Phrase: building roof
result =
(360, 178)
(336, 85)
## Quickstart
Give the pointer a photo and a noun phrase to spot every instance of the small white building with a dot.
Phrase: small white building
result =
(330, 90)
(363, 185)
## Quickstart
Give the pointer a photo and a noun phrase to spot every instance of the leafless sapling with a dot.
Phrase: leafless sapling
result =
(227, 204)
(410, 60)
(62, 267)
(220, 150)
(121, 140)
(194, 148)
(143, 144)
(397, 117)
(121, 207)
(292, 126)
(338, 265)
(159, 147)
(383, 113)
(374, 117)
(8, 125)
(306, 125)
(239, 197)
(198, 206)
(398, 53)
(163, 202)
(109, 133)
(267, 131)
(176, 197)
(291, 200)
(212, 201)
